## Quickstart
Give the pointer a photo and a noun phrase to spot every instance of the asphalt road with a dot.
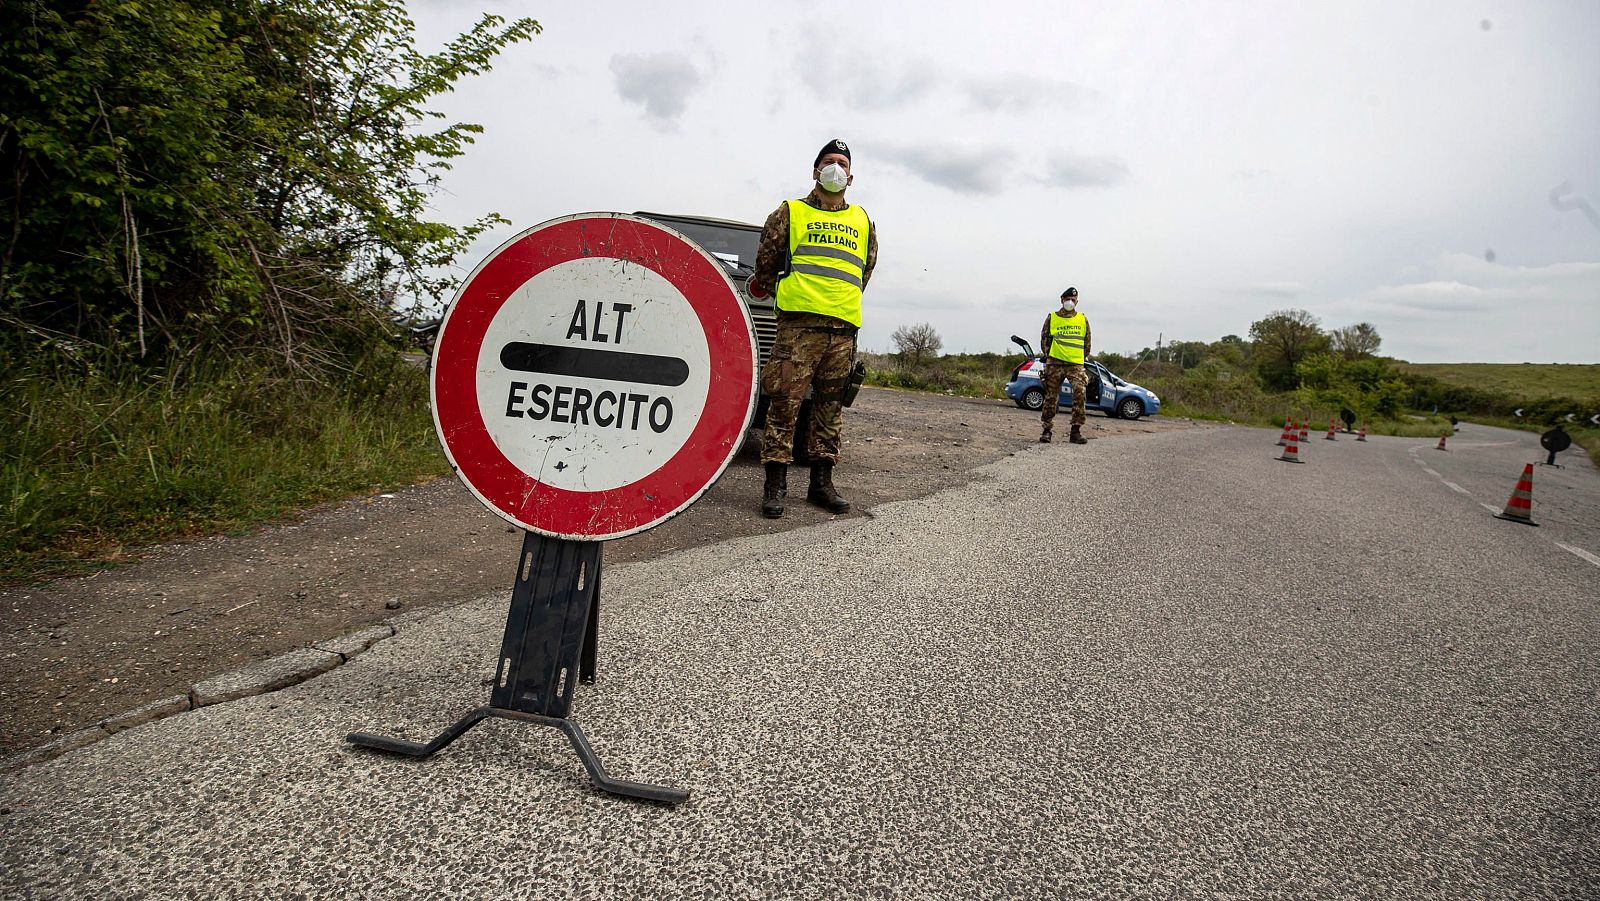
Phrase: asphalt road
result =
(1156, 666)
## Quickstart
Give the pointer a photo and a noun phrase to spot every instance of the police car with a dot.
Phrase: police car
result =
(1107, 392)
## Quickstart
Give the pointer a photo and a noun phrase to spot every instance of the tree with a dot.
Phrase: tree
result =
(1230, 349)
(1116, 362)
(915, 342)
(1282, 340)
(1370, 387)
(239, 175)
(1186, 354)
(1320, 371)
(1354, 342)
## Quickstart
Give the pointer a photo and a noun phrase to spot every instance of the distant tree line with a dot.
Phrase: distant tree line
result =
(1287, 352)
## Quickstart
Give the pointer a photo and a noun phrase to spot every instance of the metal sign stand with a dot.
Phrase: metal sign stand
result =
(1555, 441)
(551, 639)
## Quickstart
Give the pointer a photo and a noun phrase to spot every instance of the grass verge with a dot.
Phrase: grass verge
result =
(93, 465)
(966, 375)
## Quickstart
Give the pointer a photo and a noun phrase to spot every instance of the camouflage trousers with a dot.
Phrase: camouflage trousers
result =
(1054, 372)
(818, 358)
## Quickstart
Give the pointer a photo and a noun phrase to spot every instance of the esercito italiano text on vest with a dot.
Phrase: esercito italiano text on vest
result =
(827, 258)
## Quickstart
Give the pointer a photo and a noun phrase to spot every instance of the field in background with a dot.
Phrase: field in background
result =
(1530, 381)
(1490, 393)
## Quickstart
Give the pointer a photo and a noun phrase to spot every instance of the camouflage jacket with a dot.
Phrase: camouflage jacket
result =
(773, 251)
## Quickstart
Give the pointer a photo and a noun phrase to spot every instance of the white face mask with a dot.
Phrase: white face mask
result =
(1069, 305)
(833, 178)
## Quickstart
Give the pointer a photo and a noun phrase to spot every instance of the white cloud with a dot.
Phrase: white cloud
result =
(918, 300)
(659, 82)
(867, 76)
(969, 170)
(1425, 299)
(1070, 170)
(1477, 270)
(994, 168)
(858, 77)
(1015, 92)
(1473, 310)
(1269, 289)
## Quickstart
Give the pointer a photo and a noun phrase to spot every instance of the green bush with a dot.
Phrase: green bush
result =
(969, 375)
(96, 462)
(1213, 390)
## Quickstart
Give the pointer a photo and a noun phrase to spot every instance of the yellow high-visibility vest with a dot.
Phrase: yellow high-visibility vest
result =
(1066, 337)
(827, 259)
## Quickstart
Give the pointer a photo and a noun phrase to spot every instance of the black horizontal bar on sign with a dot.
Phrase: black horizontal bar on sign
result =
(587, 363)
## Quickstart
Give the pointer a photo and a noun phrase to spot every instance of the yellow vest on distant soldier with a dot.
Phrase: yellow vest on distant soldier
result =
(1066, 337)
(827, 257)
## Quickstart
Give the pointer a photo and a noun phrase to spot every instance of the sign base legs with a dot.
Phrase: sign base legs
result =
(549, 648)
(580, 744)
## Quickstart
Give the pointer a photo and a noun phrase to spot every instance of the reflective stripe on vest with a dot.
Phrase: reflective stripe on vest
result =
(1066, 337)
(827, 259)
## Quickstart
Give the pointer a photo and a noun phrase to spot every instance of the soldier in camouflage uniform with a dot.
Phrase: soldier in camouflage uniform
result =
(1064, 341)
(817, 255)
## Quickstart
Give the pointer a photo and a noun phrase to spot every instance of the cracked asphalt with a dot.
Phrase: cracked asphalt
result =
(1161, 665)
(76, 651)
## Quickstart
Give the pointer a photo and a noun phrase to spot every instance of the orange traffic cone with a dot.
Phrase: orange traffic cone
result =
(1363, 435)
(1519, 508)
(1286, 434)
(1330, 433)
(1291, 451)
(1441, 444)
(1304, 432)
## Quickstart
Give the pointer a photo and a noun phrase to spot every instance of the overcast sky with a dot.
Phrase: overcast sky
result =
(1432, 168)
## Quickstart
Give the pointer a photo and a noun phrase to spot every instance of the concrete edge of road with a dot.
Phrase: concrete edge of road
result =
(261, 677)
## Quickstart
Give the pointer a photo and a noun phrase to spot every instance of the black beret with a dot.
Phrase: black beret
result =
(1070, 292)
(834, 146)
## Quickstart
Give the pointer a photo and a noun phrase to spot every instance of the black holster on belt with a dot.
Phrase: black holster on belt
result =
(852, 384)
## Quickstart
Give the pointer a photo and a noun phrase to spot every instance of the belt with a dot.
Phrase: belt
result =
(843, 329)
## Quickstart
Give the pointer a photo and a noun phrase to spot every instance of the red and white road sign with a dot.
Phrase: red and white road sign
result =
(594, 376)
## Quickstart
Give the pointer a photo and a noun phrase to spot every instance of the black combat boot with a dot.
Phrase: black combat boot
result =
(1076, 436)
(773, 492)
(1044, 437)
(822, 493)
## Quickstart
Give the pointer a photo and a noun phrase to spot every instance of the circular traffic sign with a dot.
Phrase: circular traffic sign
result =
(594, 376)
(1556, 440)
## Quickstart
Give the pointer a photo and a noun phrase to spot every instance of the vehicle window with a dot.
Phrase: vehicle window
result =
(735, 242)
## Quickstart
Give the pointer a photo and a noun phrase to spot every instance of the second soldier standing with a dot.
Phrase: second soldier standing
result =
(817, 253)
(1065, 342)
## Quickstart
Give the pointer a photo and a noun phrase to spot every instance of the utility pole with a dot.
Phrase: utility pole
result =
(1159, 336)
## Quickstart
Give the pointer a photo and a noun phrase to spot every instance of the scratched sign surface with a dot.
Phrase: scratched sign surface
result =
(594, 376)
